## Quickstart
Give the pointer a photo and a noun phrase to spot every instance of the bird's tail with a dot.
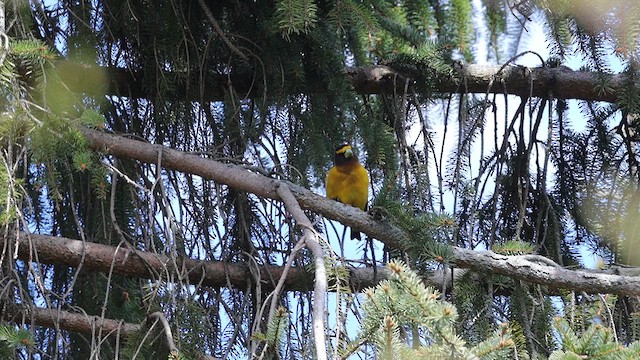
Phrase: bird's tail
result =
(355, 234)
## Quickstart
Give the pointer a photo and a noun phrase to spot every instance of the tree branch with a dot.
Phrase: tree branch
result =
(158, 316)
(562, 82)
(219, 31)
(68, 252)
(244, 180)
(66, 320)
(555, 277)
(81, 323)
(141, 264)
(320, 284)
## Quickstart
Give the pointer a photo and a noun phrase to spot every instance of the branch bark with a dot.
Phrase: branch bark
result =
(320, 284)
(82, 323)
(66, 320)
(64, 251)
(517, 267)
(141, 264)
(158, 316)
(526, 268)
(562, 82)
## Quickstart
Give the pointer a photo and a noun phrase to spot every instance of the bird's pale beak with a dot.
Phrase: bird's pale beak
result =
(348, 153)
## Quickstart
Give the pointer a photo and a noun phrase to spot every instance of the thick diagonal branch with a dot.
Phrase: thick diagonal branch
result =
(522, 268)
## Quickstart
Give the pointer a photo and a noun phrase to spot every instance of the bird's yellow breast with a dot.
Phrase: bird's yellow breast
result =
(348, 184)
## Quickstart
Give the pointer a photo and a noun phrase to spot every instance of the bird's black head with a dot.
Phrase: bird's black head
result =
(344, 155)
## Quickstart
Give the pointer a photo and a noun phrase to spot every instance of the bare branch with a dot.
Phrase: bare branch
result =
(555, 277)
(275, 294)
(159, 316)
(81, 323)
(241, 179)
(219, 31)
(562, 82)
(321, 287)
(66, 320)
(147, 265)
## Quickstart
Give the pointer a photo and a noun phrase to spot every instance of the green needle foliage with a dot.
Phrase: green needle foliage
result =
(406, 320)
(597, 342)
(514, 247)
(12, 340)
(295, 17)
(429, 235)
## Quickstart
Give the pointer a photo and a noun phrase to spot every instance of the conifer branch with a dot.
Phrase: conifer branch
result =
(219, 31)
(65, 320)
(89, 256)
(98, 257)
(562, 82)
(517, 267)
(81, 323)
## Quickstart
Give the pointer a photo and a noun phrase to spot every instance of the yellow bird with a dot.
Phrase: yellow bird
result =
(348, 181)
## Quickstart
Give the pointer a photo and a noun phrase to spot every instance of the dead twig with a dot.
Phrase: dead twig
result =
(320, 285)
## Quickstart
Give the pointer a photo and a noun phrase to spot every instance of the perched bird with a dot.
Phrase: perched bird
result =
(348, 181)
